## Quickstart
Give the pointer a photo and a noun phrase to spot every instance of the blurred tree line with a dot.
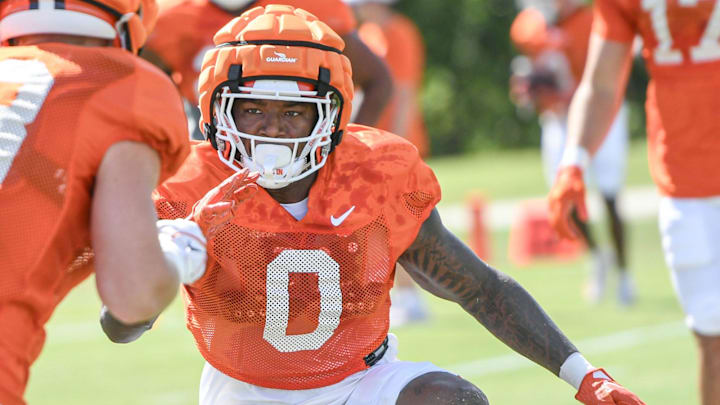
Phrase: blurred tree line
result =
(465, 93)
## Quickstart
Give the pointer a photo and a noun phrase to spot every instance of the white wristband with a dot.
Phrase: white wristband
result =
(574, 369)
(575, 155)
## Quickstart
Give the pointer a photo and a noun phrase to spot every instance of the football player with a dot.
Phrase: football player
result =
(185, 29)
(681, 47)
(553, 36)
(88, 131)
(293, 305)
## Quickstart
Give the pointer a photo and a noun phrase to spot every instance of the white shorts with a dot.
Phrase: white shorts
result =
(607, 168)
(690, 229)
(379, 385)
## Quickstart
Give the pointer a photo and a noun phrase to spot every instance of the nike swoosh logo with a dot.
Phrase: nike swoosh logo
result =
(339, 220)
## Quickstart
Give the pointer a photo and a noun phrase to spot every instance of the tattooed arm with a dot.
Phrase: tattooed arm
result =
(445, 266)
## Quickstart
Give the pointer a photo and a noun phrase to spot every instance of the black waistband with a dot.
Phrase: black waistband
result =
(377, 354)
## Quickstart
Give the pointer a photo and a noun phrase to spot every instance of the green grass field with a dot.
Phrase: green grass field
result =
(646, 348)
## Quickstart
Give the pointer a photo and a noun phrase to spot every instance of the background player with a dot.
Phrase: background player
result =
(554, 35)
(397, 40)
(88, 131)
(185, 29)
(293, 307)
(682, 53)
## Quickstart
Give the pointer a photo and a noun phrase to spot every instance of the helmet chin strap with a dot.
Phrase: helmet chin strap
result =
(274, 163)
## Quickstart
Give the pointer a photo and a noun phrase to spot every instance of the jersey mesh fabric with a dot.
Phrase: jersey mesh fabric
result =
(92, 99)
(298, 304)
(682, 96)
(185, 30)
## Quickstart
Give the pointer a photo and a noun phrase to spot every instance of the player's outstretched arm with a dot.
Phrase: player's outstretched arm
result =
(133, 279)
(592, 110)
(372, 75)
(445, 266)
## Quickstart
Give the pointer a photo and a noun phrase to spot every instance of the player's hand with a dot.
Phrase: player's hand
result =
(598, 388)
(183, 244)
(219, 205)
(567, 193)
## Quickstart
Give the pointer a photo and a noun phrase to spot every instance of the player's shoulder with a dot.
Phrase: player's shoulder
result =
(371, 149)
(99, 67)
(362, 139)
(59, 60)
(200, 171)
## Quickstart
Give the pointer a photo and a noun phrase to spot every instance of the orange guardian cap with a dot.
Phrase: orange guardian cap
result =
(275, 53)
(127, 22)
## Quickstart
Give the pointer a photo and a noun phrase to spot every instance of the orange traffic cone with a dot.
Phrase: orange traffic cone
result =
(479, 237)
(532, 237)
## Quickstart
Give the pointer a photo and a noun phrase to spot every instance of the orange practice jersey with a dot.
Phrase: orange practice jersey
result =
(681, 47)
(297, 304)
(399, 43)
(64, 107)
(185, 30)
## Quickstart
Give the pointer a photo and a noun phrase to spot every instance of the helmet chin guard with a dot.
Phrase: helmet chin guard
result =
(280, 161)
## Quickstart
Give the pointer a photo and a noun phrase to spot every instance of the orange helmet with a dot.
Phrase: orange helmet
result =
(128, 22)
(275, 53)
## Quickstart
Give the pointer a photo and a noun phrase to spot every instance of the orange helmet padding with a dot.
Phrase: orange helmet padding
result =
(276, 41)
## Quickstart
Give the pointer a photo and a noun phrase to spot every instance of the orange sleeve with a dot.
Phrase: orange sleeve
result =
(414, 191)
(613, 20)
(529, 32)
(142, 107)
(335, 13)
(406, 52)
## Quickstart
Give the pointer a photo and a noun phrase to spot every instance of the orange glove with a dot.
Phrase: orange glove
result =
(598, 388)
(218, 206)
(567, 193)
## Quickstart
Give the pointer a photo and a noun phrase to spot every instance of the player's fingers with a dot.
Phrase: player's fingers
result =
(217, 212)
(567, 229)
(232, 183)
(245, 192)
(253, 176)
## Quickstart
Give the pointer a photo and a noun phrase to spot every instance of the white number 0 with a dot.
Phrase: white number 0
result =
(36, 82)
(707, 50)
(278, 299)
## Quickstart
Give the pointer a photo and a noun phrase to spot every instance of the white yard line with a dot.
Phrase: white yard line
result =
(591, 346)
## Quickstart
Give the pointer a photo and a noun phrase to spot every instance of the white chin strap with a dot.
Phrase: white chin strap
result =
(274, 164)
